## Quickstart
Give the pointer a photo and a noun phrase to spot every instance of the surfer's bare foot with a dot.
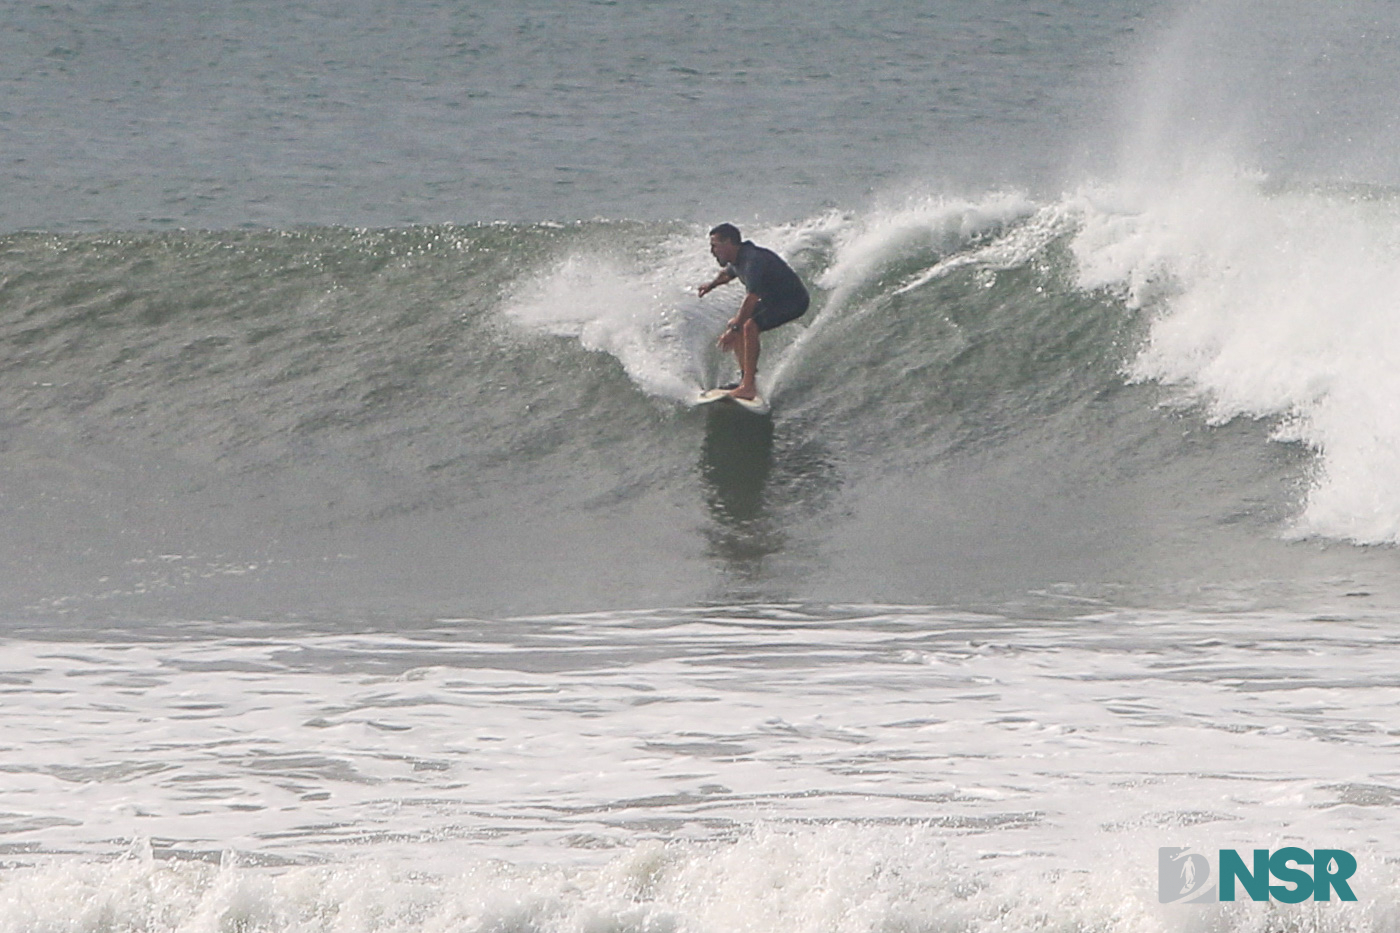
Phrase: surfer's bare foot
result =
(747, 393)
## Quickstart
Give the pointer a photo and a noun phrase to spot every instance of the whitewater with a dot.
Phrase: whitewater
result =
(367, 565)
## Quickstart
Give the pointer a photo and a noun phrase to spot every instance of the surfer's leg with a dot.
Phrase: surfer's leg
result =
(733, 342)
(746, 349)
(765, 317)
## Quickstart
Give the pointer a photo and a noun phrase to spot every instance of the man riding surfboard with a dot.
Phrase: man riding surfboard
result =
(775, 296)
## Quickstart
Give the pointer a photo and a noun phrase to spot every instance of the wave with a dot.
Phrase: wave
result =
(1275, 302)
(1219, 351)
(1251, 299)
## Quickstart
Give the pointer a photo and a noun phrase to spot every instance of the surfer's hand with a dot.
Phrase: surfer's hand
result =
(731, 333)
(705, 289)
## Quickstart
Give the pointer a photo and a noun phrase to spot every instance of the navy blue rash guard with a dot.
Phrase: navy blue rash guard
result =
(782, 296)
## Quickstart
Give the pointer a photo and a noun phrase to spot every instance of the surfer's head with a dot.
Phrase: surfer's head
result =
(724, 243)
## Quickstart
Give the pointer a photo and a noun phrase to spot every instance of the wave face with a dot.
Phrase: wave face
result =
(989, 395)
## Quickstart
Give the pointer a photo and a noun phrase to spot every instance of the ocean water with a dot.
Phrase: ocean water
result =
(366, 565)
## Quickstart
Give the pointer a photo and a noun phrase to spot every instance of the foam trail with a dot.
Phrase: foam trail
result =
(648, 318)
(1271, 303)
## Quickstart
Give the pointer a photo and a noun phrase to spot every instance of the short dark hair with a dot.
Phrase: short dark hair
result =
(728, 232)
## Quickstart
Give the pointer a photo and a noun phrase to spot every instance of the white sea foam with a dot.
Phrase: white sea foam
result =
(764, 770)
(835, 879)
(1270, 303)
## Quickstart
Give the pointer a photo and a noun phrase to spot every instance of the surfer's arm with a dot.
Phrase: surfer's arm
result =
(737, 322)
(724, 278)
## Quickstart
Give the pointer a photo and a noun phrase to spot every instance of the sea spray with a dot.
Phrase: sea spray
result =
(1271, 301)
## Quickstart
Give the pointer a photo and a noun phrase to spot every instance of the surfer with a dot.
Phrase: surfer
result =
(775, 296)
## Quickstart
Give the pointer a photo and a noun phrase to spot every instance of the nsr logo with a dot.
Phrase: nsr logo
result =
(1184, 877)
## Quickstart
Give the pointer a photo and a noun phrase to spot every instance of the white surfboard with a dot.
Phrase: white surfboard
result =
(758, 405)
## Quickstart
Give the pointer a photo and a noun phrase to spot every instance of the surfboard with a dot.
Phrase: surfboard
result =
(757, 405)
